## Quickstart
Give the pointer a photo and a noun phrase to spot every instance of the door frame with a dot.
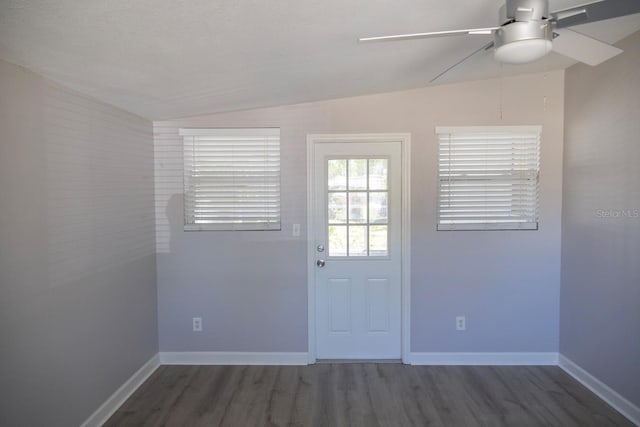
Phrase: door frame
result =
(405, 142)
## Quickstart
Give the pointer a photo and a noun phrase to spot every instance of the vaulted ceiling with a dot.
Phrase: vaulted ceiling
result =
(174, 58)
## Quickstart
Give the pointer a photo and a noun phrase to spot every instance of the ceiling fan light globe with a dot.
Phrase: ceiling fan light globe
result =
(523, 51)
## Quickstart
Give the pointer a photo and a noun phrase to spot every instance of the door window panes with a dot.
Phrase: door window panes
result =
(378, 240)
(358, 240)
(357, 204)
(337, 174)
(378, 204)
(357, 208)
(337, 240)
(338, 208)
(357, 174)
(378, 169)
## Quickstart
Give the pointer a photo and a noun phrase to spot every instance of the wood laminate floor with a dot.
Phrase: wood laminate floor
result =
(363, 394)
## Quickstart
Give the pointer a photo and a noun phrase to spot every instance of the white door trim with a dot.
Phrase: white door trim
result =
(405, 141)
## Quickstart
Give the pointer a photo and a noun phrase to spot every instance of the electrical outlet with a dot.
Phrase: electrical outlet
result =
(296, 230)
(461, 323)
(197, 324)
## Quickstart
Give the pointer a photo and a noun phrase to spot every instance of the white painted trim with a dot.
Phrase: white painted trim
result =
(226, 132)
(606, 393)
(497, 359)
(406, 248)
(111, 405)
(311, 274)
(405, 142)
(489, 129)
(232, 358)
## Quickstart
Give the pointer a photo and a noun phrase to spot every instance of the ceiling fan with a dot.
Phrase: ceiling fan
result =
(527, 32)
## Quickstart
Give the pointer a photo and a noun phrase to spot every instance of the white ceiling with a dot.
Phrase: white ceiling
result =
(173, 58)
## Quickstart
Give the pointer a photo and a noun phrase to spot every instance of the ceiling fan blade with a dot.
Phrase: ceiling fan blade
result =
(582, 48)
(595, 11)
(464, 60)
(472, 31)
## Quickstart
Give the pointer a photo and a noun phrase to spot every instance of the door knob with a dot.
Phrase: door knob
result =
(320, 263)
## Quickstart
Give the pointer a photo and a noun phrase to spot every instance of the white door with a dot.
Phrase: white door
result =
(357, 226)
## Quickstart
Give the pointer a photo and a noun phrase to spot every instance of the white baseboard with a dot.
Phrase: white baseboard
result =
(232, 358)
(111, 405)
(461, 358)
(606, 393)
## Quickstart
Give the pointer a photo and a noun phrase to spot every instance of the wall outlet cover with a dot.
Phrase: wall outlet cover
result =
(197, 324)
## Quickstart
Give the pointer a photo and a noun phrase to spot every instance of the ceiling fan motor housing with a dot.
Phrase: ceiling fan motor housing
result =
(517, 31)
(525, 34)
(523, 10)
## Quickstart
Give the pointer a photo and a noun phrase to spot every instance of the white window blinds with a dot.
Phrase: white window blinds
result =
(231, 179)
(488, 178)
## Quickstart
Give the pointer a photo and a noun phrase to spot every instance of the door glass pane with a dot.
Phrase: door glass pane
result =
(357, 208)
(337, 208)
(337, 240)
(378, 171)
(378, 238)
(357, 174)
(337, 174)
(378, 202)
(358, 240)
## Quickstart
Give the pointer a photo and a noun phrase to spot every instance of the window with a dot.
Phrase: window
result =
(357, 217)
(231, 179)
(488, 178)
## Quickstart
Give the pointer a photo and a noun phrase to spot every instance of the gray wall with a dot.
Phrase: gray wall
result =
(251, 287)
(600, 299)
(77, 266)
